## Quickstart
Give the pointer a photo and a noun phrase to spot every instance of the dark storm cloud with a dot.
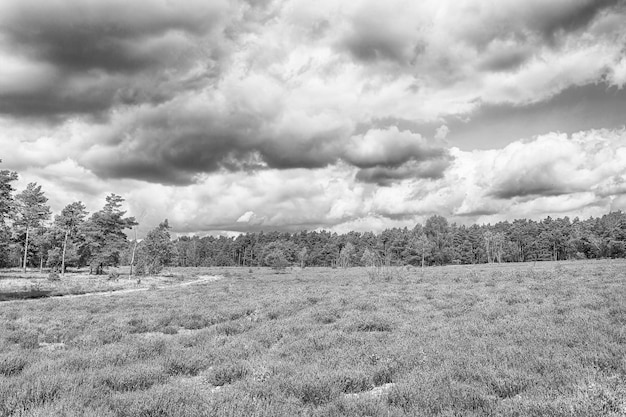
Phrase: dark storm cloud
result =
(371, 46)
(537, 180)
(173, 144)
(506, 60)
(375, 35)
(576, 108)
(527, 188)
(531, 24)
(388, 175)
(55, 102)
(112, 36)
(569, 16)
(95, 55)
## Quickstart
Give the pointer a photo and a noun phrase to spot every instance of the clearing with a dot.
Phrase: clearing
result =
(484, 340)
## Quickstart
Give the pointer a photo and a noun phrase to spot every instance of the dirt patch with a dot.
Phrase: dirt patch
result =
(376, 392)
(199, 384)
(51, 347)
(119, 291)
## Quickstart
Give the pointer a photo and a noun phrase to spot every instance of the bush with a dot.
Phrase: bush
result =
(312, 389)
(185, 364)
(276, 259)
(12, 364)
(27, 339)
(132, 378)
(114, 275)
(227, 374)
(54, 276)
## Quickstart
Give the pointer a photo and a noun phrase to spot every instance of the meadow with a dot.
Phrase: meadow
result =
(545, 339)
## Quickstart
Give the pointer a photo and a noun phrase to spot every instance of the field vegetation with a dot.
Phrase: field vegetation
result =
(484, 340)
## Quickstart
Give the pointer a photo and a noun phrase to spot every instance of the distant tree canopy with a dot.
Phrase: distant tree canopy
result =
(437, 242)
(74, 238)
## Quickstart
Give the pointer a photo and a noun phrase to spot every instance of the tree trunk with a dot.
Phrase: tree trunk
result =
(41, 263)
(132, 259)
(67, 232)
(25, 250)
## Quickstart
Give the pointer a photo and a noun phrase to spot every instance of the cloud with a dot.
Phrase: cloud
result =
(86, 57)
(381, 33)
(554, 165)
(387, 176)
(442, 132)
(390, 147)
(317, 115)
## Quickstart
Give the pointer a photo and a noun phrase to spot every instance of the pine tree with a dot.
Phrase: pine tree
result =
(32, 211)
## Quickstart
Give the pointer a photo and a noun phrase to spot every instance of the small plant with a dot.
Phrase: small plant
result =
(132, 378)
(114, 275)
(54, 276)
(12, 364)
(313, 390)
(227, 374)
(27, 339)
(170, 330)
(185, 365)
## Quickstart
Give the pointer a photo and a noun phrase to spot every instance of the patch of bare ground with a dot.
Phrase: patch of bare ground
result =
(376, 392)
(198, 384)
(51, 347)
(102, 287)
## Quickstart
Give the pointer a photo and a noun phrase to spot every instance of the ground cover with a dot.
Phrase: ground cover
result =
(15, 284)
(501, 340)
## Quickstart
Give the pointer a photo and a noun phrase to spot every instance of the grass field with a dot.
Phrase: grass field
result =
(488, 340)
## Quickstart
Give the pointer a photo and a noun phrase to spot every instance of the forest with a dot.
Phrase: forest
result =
(30, 236)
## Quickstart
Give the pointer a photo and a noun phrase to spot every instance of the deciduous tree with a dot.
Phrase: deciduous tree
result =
(156, 250)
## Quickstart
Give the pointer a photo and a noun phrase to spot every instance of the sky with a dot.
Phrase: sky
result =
(236, 116)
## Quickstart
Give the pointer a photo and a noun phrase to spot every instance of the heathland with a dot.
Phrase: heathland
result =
(544, 339)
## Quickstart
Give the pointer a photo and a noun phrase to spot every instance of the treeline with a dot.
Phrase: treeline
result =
(437, 242)
(31, 237)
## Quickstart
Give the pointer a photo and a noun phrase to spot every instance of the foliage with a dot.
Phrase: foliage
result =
(435, 243)
(69, 222)
(275, 258)
(6, 191)
(31, 212)
(156, 250)
(104, 235)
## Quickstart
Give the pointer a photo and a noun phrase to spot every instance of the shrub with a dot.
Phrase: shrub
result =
(12, 364)
(114, 275)
(170, 330)
(352, 382)
(312, 389)
(132, 378)
(227, 374)
(27, 339)
(276, 259)
(54, 276)
(229, 329)
(185, 364)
